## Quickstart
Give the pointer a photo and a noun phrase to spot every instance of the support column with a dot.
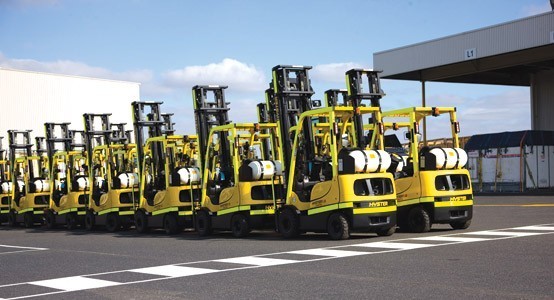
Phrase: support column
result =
(542, 100)
(424, 119)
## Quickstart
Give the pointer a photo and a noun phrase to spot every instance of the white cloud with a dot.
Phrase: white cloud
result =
(535, 9)
(149, 87)
(237, 75)
(332, 72)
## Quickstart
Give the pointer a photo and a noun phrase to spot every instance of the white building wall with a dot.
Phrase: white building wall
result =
(30, 99)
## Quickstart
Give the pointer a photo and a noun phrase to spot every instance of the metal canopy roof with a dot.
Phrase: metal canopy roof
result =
(505, 54)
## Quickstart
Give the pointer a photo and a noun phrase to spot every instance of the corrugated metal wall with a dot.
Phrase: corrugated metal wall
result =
(507, 37)
(542, 100)
(29, 99)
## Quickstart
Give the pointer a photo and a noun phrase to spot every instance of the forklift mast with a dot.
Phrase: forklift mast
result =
(207, 114)
(355, 80)
(332, 97)
(52, 140)
(95, 136)
(119, 134)
(293, 93)
(271, 106)
(263, 117)
(169, 126)
(20, 141)
(147, 115)
(2, 158)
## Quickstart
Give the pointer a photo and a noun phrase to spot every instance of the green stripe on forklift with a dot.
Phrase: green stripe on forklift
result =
(107, 211)
(81, 213)
(24, 210)
(374, 210)
(38, 212)
(233, 209)
(453, 203)
(126, 213)
(65, 211)
(4, 211)
(185, 213)
(262, 212)
(163, 211)
(415, 201)
(323, 209)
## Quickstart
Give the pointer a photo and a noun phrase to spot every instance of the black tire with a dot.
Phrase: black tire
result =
(50, 219)
(239, 226)
(71, 221)
(171, 224)
(386, 232)
(337, 227)
(418, 220)
(90, 221)
(461, 224)
(289, 224)
(203, 223)
(141, 221)
(112, 222)
(12, 221)
(29, 220)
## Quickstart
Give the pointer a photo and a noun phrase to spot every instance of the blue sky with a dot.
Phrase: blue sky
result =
(169, 46)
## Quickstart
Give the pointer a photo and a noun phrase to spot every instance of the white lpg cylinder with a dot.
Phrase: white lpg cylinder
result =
(21, 185)
(42, 185)
(128, 180)
(369, 161)
(6, 187)
(265, 169)
(449, 158)
(82, 183)
(189, 175)
(99, 182)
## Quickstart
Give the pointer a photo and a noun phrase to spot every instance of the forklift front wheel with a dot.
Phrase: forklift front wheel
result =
(112, 222)
(240, 226)
(50, 219)
(12, 219)
(418, 220)
(461, 224)
(337, 227)
(28, 220)
(141, 221)
(171, 224)
(90, 221)
(203, 223)
(386, 232)
(289, 225)
(71, 221)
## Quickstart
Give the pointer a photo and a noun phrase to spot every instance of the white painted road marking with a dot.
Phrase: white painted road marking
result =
(328, 252)
(174, 271)
(257, 261)
(75, 283)
(20, 249)
(83, 282)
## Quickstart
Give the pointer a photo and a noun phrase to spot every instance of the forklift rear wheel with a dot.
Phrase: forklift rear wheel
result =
(418, 220)
(461, 224)
(28, 220)
(12, 219)
(289, 225)
(203, 223)
(141, 221)
(337, 227)
(171, 224)
(386, 232)
(112, 222)
(240, 226)
(71, 221)
(50, 219)
(90, 221)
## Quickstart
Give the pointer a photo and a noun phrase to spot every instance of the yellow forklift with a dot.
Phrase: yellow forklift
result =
(70, 185)
(433, 185)
(170, 180)
(113, 162)
(30, 182)
(5, 184)
(331, 187)
(242, 177)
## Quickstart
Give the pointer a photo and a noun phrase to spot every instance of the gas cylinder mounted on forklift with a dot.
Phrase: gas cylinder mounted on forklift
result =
(5, 184)
(69, 181)
(433, 185)
(113, 162)
(330, 187)
(170, 179)
(30, 182)
(242, 177)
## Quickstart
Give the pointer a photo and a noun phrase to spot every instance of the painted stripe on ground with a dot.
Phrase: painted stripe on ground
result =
(19, 249)
(84, 282)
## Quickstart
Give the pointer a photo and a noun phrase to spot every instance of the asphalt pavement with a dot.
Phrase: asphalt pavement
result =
(505, 254)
